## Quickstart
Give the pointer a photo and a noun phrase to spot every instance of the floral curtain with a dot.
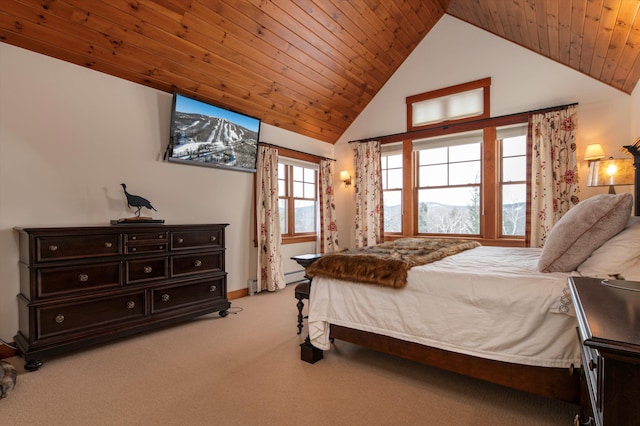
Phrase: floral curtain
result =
(270, 269)
(554, 171)
(328, 228)
(369, 226)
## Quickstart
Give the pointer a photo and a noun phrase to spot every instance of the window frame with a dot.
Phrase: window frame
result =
(291, 237)
(490, 226)
(389, 153)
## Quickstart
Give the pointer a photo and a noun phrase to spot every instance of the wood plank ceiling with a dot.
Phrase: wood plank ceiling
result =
(309, 66)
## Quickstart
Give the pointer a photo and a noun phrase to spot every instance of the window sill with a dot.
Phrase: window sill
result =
(298, 239)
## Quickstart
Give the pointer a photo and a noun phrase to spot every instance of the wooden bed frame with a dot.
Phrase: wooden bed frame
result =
(557, 383)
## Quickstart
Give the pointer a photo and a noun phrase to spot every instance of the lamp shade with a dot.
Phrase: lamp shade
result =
(593, 152)
(614, 171)
(344, 175)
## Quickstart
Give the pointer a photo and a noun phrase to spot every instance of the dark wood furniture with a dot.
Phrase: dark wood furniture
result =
(86, 285)
(302, 290)
(609, 333)
(556, 383)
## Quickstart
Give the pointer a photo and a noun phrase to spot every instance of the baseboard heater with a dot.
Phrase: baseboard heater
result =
(291, 277)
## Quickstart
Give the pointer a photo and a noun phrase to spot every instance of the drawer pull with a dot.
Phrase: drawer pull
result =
(147, 269)
(213, 238)
(160, 247)
(83, 278)
(59, 318)
(212, 288)
(53, 247)
(108, 244)
(592, 365)
(131, 304)
(165, 297)
(161, 236)
(197, 263)
(134, 238)
(133, 249)
(181, 240)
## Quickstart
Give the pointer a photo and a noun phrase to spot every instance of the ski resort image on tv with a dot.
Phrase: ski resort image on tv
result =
(207, 135)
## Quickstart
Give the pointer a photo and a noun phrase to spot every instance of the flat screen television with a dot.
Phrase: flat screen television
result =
(207, 135)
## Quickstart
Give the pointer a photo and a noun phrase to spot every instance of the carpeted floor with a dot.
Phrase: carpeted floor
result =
(245, 369)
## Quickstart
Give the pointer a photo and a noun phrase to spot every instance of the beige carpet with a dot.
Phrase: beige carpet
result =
(245, 370)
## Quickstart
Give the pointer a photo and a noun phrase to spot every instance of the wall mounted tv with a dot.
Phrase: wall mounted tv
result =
(207, 135)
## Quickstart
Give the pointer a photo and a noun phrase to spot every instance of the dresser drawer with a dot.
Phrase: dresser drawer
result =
(197, 263)
(147, 242)
(59, 281)
(147, 270)
(74, 247)
(187, 294)
(91, 314)
(212, 237)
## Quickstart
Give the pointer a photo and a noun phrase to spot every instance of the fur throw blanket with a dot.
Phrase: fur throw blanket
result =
(386, 264)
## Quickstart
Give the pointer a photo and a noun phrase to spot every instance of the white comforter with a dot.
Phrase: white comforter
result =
(489, 302)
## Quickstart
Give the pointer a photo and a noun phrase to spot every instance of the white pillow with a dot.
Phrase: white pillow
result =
(632, 273)
(616, 255)
(583, 229)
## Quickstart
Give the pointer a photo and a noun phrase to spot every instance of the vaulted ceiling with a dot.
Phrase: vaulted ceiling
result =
(309, 66)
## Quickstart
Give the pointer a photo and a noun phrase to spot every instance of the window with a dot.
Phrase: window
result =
(298, 196)
(466, 174)
(512, 142)
(392, 188)
(456, 103)
(448, 184)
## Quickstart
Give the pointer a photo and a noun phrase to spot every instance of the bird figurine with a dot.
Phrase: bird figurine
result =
(136, 201)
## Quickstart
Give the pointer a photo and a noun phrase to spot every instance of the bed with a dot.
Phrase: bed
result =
(495, 313)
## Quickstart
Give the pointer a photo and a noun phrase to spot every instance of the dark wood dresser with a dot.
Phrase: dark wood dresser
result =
(86, 285)
(609, 333)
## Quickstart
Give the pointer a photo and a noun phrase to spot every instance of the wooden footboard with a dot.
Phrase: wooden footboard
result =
(557, 383)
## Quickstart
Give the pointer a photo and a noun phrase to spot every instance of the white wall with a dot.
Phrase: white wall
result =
(455, 52)
(69, 136)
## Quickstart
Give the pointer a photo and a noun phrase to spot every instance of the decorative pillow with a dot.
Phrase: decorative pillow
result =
(615, 255)
(583, 229)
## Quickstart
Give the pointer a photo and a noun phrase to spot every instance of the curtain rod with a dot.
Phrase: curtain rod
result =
(446, 126)
(295, 150)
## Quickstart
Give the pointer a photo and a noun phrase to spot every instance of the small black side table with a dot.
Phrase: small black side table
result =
(302, 290)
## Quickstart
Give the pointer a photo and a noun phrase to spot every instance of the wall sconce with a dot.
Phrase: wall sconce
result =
(618, 171)
(344, 177)
(593, 152)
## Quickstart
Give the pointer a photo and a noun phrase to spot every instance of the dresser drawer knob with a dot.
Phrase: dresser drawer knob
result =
(212, 288)
(197, 263)
(181, 240)
(131, 304)
(147, 269)
(108, 244)
(53, 247)
(83, 278)
(134, 238)
(161, 236)
(165, 297)
(160, 247)
(59, 318)
(213, 238)
(133, 249)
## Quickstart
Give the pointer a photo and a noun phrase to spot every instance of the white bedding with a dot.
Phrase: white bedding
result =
(488, 302)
